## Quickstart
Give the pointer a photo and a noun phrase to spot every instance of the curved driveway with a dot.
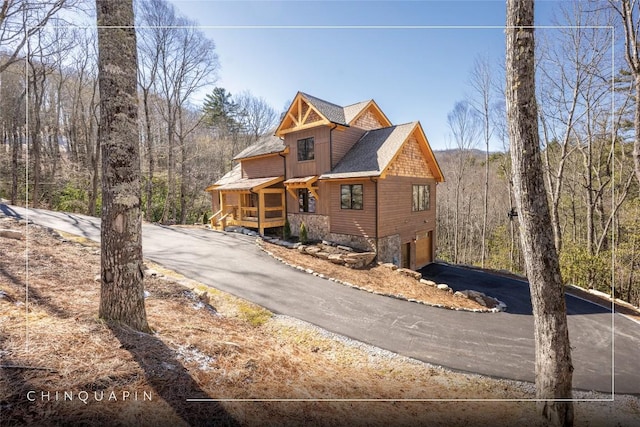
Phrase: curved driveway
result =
(499, 345)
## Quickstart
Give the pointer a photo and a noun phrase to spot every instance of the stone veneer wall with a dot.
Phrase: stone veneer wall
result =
(317, 225)
(318, 229)
(389, 249)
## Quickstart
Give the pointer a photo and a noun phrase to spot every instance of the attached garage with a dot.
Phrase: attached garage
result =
(424, 249)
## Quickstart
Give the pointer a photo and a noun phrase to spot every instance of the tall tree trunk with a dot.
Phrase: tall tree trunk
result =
(485, 205)
(554, 370)
(636, 123)
(122, 290)
(16, 145)
(150, 158)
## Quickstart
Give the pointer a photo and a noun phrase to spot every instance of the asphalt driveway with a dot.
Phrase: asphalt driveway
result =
(499, 345)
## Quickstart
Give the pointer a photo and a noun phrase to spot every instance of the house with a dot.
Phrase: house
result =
(347, 173)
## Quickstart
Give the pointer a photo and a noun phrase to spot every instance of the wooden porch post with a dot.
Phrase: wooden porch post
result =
(261, 212)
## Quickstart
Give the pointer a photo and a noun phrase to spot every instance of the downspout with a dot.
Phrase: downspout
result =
(331, 147)
(375, 181)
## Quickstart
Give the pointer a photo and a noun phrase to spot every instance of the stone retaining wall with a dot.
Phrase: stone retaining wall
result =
(317, 225)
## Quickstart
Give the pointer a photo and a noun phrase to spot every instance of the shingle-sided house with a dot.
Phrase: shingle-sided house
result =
(346, 172)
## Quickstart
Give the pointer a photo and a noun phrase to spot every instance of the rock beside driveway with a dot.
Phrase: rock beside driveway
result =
(481, 299)
(11, 234)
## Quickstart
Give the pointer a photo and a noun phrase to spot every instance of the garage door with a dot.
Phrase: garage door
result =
(423, 250)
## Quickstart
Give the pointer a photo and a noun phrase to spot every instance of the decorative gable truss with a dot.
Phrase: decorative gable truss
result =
(301, 115)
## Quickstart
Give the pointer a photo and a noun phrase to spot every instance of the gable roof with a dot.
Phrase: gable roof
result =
(233, 175)
(332, 112)
(374, 152)
(328, 112)
(353, 110)
(267, 145)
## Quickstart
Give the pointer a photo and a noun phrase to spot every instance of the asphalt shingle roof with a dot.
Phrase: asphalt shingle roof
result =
(351, 111)
(372, 153)
(267, 145)
(334, 113)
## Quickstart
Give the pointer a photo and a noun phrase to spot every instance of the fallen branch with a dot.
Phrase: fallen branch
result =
(39, 368)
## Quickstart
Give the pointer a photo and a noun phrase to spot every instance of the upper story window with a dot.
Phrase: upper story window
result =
(351, 196)
(421, 196)
(305, 149)
(306, 201)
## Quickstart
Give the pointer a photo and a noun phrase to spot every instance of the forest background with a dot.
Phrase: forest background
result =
(587, 130)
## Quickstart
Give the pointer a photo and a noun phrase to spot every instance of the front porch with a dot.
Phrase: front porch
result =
(252, 203)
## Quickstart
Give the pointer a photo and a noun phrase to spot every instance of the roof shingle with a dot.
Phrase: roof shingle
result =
(267, 145)
(334, 113)
(372, 153)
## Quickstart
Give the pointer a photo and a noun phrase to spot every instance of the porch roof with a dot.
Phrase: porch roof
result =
(302, 180)
(250, 184)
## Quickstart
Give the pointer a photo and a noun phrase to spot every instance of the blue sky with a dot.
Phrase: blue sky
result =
(412, 73)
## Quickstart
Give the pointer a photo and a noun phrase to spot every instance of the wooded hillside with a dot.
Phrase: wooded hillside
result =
(49, 153)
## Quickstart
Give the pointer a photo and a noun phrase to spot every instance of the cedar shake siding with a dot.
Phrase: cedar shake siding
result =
(261, 167)
(367, 121)
(410, 161)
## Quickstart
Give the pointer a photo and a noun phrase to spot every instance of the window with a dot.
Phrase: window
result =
(305, 149)
(306, 201)
(421, 195)
(351, 196)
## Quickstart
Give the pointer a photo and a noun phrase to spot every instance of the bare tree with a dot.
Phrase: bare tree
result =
(185, 61)
(628, 11)
(21, 19)
(465, 128)
(481, 82)
(554, 370)
(256, 115)
(122, 290)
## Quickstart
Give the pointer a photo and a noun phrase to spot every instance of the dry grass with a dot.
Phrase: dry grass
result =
(377, 279)
(236, 352)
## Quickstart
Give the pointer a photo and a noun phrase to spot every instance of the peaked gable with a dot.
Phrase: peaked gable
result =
(307, 111)
(371, 155)
(366, 115)
(399, 150)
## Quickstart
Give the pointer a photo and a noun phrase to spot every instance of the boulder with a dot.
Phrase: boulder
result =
(345, 248)
(443, 287)
(11, 234)
(416, 275)
(364, 258)
(472, 294)
(389, 265)
(428, 282)
(354, 262)
(335, 258)
(322, 255)
(312, 250)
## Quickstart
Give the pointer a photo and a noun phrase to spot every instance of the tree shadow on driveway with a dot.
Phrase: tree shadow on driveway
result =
(170, 379)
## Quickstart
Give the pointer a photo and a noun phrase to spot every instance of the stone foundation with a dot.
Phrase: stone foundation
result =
(359, 242)
(389, 249)
(317, 225)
